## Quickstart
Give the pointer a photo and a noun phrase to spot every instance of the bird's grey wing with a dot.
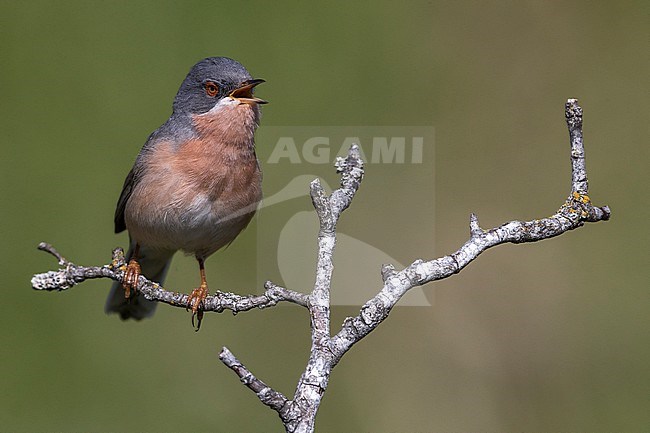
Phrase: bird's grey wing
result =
(129, 183)
(133, 178)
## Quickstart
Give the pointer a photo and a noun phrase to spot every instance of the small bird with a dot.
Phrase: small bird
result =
(195, 184)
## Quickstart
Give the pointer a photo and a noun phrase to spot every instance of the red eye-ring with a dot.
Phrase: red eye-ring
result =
(211, 89)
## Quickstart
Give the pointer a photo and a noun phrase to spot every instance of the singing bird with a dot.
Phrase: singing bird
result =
(195, 184)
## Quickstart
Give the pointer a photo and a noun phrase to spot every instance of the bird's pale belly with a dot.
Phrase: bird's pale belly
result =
(201, 228)
(174, 215)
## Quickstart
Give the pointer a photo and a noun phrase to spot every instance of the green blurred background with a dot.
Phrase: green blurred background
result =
(541, 337)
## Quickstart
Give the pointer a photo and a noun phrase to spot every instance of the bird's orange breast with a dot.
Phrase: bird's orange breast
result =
(199, 195)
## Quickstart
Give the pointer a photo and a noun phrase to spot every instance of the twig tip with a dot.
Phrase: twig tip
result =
(474, 227)
(387, 271)
(573, 112)
(44, 246)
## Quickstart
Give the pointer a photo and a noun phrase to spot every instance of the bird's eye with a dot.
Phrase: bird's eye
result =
(211, 89)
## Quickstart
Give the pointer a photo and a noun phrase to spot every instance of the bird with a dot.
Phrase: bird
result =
(194, 186)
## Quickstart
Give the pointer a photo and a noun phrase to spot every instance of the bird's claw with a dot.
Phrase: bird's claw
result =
(199, 317)
(131, 277)
(195, 303)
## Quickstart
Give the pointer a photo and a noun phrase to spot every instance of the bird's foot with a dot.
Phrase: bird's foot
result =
(131, 277)
(195, 302)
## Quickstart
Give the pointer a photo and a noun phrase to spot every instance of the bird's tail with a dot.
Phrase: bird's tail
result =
(154, 265)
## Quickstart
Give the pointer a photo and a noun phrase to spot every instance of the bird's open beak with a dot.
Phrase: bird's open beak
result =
(244, 92)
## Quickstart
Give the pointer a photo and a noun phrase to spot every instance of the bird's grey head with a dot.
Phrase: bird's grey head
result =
(210, 81)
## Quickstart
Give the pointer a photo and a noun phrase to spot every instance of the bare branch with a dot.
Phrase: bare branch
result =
(267, 395)
(44, 246)
(573, 114)
(286, 294)
(387, 271)
(71, 274)
(322, 206)
(313, 382)
(576, 210)
(351, 169)
(298, 414)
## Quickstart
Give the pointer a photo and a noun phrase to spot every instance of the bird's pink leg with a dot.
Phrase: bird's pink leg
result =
(198, 295)
(132, 274)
